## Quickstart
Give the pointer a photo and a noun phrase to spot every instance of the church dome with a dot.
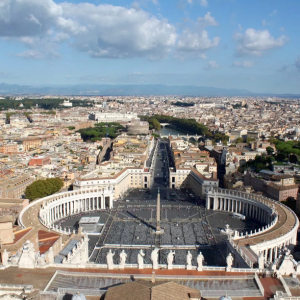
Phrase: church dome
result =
(78, 296)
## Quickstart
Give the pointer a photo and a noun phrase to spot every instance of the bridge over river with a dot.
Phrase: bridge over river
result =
(184, 136)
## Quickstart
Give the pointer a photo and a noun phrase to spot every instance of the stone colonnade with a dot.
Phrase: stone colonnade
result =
(261, 209)
(254, 210)
(62, 205)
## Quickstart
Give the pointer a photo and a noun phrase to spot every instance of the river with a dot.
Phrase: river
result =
(169, 130)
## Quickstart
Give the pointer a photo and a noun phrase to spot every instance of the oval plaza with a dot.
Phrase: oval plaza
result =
(278, 223)
(211, 239)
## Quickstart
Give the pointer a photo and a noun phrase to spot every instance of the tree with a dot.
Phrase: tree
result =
(239, 140)
(270, 150)
(43, 188)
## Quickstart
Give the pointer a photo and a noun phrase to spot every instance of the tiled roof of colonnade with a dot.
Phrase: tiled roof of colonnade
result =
(287, 220)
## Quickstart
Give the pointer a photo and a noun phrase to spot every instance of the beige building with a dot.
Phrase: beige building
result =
(126, 169)
(194, 169)
(6, 229)
(15, 187)
(31, 143)
(276, 186)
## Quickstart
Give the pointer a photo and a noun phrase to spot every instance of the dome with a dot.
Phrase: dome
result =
(225, 298)
(78, 296)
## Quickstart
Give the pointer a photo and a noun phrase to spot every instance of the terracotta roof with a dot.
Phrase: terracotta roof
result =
(46, 240)
(143, 290)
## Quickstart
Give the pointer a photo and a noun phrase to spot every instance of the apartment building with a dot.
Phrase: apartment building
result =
(15, 187)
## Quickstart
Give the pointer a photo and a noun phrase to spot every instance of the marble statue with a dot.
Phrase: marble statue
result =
(28, 256)
(154, 258)
(200, 259)
(229, 261)
(123, 257)
(109, 259)
(170, 259)
(189, 257)
(14, 259)
(5, 257)
(31, 251)
(261, 261)
(41, 261)
(140, 259)
(50, 256)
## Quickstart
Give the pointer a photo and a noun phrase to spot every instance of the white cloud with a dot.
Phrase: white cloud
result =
(264, 23)
(118, 32)
(297, 62)
(206, 21)
(273, 13)
(211, 65)
(256, 42)
(203, 3)
(28, 17)
(101, 31)
(195, 41)
(240, 27)
(31, 54)
(243, 64)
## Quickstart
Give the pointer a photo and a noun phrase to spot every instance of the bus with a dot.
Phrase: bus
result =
(238, 216)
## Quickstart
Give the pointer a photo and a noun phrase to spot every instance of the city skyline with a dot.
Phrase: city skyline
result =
(223, 44)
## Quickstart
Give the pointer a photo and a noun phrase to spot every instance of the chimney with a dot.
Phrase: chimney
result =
(153, 277)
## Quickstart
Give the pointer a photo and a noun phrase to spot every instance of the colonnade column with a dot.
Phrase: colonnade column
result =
(208, 203)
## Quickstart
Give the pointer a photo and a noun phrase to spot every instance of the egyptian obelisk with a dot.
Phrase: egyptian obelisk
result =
(158, 228)
(158, 213)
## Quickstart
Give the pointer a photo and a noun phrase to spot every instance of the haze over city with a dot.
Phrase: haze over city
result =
(252, 45)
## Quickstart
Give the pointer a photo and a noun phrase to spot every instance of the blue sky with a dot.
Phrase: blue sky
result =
(241, 44)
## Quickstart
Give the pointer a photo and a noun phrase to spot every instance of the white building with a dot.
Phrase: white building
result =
(113, 117)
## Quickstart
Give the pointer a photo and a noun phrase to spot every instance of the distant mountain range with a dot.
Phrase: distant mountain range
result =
(128, 90)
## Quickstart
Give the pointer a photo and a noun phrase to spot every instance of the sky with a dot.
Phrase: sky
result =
(242, 44)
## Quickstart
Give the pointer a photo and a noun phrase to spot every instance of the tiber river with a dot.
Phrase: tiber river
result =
(169, 130)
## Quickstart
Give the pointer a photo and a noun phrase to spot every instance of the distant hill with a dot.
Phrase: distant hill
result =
(127, 90)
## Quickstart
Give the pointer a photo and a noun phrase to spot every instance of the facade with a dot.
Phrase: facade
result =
(31, 143)
(9, 148)
(118, 183)
(127, 168)
(193, 169)
(276, 186)
(15, 187)
(112, 117)
(192, 179)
